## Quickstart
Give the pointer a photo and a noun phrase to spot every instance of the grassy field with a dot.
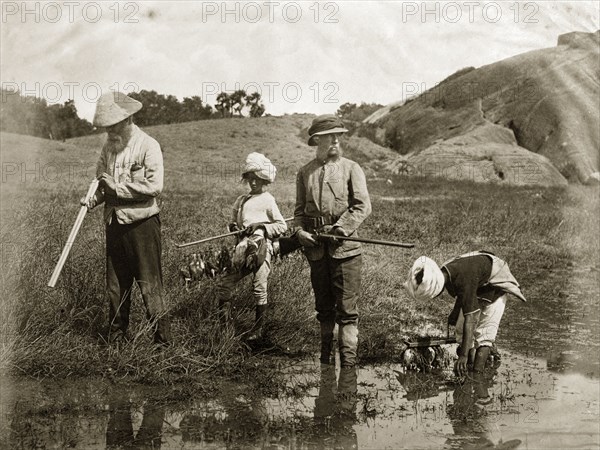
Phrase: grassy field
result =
(56, 332)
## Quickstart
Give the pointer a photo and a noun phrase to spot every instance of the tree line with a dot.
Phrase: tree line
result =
(23, 114)
(34, 116)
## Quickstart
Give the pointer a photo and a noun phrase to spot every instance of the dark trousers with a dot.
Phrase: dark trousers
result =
(133, 252)
(336, 284)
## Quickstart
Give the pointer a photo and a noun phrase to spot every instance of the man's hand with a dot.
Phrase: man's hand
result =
(306, 239)
(233, 227)
(90, 203)
(335, 231)
(108, 182)
(339, 231)
(460, 366)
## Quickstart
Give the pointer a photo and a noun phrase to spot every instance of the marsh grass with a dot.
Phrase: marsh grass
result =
(58, 333)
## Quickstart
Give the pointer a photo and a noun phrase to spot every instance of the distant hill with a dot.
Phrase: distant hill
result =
(547, 100)
(205, 152)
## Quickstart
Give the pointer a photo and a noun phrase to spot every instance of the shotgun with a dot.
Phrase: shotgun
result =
(289, 244)
(67, 248)
(429, 341)
(364, 240)
(220, 236)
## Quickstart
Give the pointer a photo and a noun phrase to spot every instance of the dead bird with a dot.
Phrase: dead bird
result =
(424, 359)
(193, 270)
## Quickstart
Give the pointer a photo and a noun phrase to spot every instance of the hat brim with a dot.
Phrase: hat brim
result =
(108, 115)
(311, 140)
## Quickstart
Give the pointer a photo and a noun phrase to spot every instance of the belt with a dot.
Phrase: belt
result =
(114, 201)
(318, 222)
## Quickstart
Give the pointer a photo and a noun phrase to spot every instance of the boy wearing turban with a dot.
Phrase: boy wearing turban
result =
(256, 213)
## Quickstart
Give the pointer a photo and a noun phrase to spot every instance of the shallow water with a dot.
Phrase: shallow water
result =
(563, 328)
(528, 407)
(546, 394)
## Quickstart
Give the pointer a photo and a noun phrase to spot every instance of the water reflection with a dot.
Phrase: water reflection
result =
(335, 409)
(119, 430)
(419, 385)
(470, 420)
(377, 407)
(232, 421)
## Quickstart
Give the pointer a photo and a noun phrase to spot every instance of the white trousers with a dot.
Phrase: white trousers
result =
(486, 327)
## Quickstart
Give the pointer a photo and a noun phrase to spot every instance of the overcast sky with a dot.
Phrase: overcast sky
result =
(302, 56)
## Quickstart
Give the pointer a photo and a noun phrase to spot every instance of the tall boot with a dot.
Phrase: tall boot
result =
(325, 402)
(326, 341)
(259, 324)
(347, 389)
(348, 340)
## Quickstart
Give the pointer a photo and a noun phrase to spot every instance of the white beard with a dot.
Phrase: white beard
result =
(117, 143)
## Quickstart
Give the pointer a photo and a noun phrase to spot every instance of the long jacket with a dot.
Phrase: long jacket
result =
(138, 173)
(337, 193)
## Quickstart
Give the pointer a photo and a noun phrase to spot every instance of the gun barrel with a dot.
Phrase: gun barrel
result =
(220, 236)
(208, 239)
(71, 239)
(368, 241)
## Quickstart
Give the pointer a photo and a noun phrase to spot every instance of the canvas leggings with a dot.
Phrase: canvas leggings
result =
(336, 285)
(133, 252)
(260, 279)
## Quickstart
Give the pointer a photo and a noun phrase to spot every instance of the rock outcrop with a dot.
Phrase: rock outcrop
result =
(545, 104)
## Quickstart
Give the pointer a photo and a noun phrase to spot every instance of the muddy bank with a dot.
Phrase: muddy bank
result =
(375, 407)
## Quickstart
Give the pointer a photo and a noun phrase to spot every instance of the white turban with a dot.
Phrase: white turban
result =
(261, 166)
(432, 282)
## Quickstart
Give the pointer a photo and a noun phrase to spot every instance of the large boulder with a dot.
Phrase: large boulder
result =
(486, 154)
(549, 99)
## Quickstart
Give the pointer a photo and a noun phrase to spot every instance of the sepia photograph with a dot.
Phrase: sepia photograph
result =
(300, 225)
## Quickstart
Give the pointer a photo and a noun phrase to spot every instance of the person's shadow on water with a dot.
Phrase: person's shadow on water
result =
(335, 409)
(119, 431)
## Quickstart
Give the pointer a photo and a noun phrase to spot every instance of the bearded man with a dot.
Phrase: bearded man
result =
(332, 197)
(130, 170)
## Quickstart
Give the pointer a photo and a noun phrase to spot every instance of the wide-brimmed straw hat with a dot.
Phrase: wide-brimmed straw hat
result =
(114, 107)
(325, 124)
